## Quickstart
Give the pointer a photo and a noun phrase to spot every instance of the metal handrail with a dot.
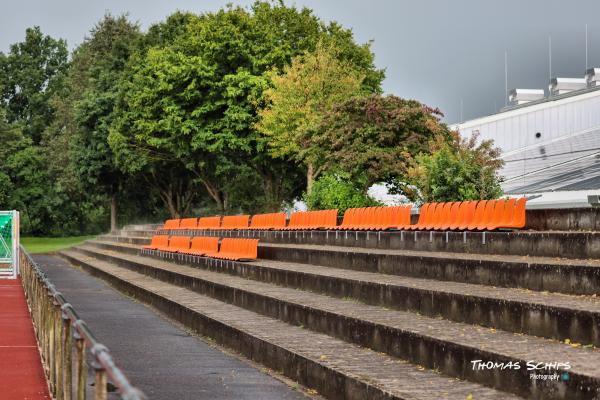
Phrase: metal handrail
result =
(57, 324)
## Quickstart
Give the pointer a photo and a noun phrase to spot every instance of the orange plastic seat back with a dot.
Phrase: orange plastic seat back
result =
(251, 249)
(178, 243)
(444, 220)
(468, 214)
(423, 213)
(405, 216)
(205, 244)
(278, 221)
(509, 211)
(458, 214)
(268, 221)
(329, 219)
(435, 216)
(498, 215)
(235, 222)
(171, 224)
(293, 220)
(487, 215)
(258, 221)
(518, 220)
(188, 223)
(209, 223)
(451, 216)
(430, 215)
(227, 246)
(348, 216)
(159, 241)
(380, 214)
(478, 215)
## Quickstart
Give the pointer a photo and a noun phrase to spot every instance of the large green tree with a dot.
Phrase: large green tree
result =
(299, 99)
(372, 138)
(96, 71)
(30, 74)
(192, 98)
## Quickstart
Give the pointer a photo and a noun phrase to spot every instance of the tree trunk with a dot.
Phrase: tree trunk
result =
(310, 177)
(113, 212)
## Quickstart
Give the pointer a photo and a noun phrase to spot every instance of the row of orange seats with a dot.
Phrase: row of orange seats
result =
(373, 218)
(376, 218)
(230, 248)
(472, 215)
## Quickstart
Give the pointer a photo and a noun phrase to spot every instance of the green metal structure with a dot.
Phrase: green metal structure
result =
(9, 244)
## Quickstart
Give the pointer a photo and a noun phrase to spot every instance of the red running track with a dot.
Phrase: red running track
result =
(21, 373)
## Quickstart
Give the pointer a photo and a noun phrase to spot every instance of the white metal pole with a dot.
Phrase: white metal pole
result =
(16, 238)
(586, 48)
(550, 56)
(505, 78)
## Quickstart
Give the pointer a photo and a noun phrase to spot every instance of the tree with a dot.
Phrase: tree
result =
(298, 101)
(455, 169)
(24, 179)
(336, 191)
(30, 74)
(191, 98)
(97, 67)
(371, 138)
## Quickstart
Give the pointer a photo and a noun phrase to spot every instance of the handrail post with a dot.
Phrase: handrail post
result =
(80, 367)
(58, 367)
(51, 348)
(67, 371)
(100, 384)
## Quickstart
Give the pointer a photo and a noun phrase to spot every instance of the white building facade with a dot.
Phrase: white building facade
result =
(551, 146)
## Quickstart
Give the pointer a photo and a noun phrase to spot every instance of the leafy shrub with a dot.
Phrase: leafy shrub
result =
(455, 170)
(333, 191)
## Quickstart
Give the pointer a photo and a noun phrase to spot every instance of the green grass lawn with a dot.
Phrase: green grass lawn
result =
(35, 245)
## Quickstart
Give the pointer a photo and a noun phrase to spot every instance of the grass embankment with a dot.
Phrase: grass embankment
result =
(36, 245)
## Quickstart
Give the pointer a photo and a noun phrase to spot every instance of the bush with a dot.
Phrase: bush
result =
(335, 191)
(455, 170)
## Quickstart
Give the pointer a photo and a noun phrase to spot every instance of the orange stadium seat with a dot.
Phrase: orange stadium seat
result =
(498, 215)
(209, 223)
(159, 242)
(236, 249)
(235, 222)
(436, 215)
(268, 221)
(478, 215)
(488, 214)
(171, 224)
(424, 215)
(201, 245)
(376, 218)
(467, 215)
(179, 244)
(443, 217)
(518, 220)
(459, 214)
(304, 220)
(188, 223)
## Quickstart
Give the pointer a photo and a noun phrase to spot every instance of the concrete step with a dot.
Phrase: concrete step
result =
(579, 245)
(560, 275)
(333, 367)
(142, 227)
(145, 233)
(550, 315)
(443, 345)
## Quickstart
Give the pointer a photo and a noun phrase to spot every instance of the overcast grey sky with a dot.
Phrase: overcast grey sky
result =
(436, 51)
